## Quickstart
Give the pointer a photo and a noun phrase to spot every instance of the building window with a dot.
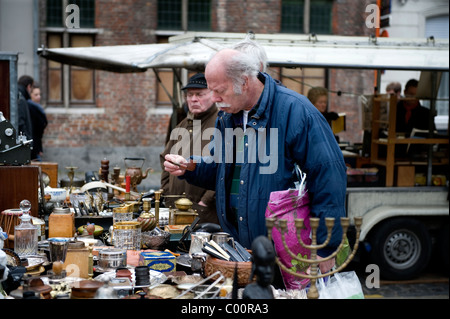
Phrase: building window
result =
(178, 15)
(302, 80)
(320, 17)
(199, 15)
(169, 15)
(192, 15)
(87, 12)
(56, 10)
(81, 79)
(54, 69)
(54, 13)
(70, 86)
(438, 27)
(293, 15)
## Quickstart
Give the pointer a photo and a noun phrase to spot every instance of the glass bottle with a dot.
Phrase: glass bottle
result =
(25, 234)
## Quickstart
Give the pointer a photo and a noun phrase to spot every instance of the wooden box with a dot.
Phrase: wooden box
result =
(182, 217)
(338, 125)
(18, 183)
(405, 176)
(49, 171)
(61, 225)
(77, 262)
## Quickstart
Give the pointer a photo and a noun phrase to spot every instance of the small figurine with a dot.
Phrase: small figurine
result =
(263, 262)
(90, 227)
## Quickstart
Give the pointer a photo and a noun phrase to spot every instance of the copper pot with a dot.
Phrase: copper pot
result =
(135, 172)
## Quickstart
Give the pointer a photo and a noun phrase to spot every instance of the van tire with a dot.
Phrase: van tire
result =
(401, 247)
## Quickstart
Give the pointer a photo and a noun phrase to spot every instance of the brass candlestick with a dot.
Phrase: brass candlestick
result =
(71, 175)
(157, 198)
(91, 262)
(313, 260)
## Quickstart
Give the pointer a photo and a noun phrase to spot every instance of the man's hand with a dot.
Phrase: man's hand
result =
(175, 164)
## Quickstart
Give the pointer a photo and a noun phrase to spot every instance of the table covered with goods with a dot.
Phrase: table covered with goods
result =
(102, 241)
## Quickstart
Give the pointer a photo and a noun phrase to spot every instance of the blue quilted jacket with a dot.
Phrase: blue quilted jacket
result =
(295, 132)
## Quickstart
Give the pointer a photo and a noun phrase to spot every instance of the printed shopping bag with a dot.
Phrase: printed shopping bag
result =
(289, 205)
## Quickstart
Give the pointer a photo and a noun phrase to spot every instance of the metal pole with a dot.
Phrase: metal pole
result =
(306, 16)
(35, 40)
(430, 126)
(66, 67)
(184, 15)
(13, 91)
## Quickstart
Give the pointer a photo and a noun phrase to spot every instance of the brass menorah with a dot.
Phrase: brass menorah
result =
(313, 261)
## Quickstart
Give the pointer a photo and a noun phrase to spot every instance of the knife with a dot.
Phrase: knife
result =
(234, 255)
(242, 251)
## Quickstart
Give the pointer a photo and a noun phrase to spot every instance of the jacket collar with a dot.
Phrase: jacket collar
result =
(262, 110)
(203, 115)
(23, 91)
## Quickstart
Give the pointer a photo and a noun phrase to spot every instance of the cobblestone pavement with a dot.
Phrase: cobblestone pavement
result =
(427, 286)
(437, 290)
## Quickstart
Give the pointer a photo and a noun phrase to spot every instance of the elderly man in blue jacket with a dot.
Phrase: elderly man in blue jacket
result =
(282, 128)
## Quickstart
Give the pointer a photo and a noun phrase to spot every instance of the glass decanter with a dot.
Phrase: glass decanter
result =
(25, 234)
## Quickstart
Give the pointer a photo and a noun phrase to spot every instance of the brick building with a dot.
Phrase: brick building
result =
(98, 114)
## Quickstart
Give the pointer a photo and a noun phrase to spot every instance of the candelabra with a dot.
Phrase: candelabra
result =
(313, 261)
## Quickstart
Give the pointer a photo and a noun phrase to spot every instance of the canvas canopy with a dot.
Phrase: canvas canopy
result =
(133, 58)
(192, 51)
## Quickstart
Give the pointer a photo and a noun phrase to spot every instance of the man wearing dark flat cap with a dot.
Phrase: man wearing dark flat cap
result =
(188, 138)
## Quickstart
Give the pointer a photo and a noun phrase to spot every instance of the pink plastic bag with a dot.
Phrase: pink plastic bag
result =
(289, 205)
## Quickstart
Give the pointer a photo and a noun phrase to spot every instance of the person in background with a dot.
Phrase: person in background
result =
(35, 94)
(319, 98)
(202, 110)
(39, 122)
(295, 132)
(410, 114)
(24, 85)
(394, 88)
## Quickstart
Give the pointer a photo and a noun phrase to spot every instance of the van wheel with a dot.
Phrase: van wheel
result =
(401, 247)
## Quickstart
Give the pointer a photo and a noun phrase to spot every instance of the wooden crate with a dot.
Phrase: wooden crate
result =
(77, 262)
(18, 183)
(51, 170)
(405, 176)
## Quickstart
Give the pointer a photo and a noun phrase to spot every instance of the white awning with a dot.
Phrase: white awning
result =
(135, 58)
(192, 51)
